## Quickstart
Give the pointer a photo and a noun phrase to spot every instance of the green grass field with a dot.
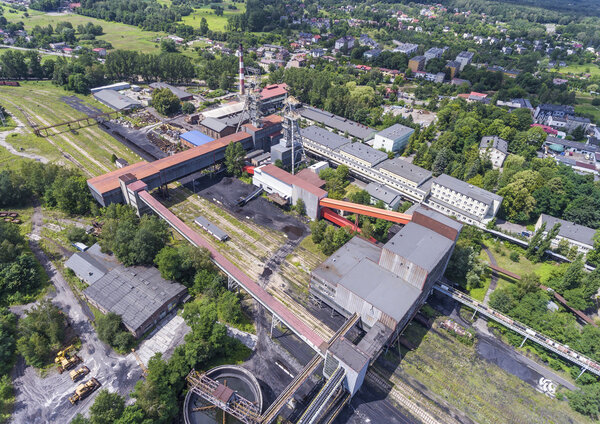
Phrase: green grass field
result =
(524, 266)
(215, 23)
(584, 107)
(121, 36)
(588, 68)
(89, 149)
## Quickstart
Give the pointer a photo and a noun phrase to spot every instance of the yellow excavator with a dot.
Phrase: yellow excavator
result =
(66, 361)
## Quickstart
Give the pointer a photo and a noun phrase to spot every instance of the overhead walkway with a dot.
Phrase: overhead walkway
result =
(307, 334)
(372, 211)
(560, 349)
(323, 397)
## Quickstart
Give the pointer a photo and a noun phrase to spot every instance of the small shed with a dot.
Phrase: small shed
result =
(194, 138)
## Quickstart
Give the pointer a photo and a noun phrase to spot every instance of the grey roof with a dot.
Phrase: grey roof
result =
(116, 100)
(406, 170)
(349, 354)
(453, 64)
(214, 124)
(382, 192)
(364, 152)
(465, 55)
(134, 293)
(354, 129)
(338, 264)
(570, 230)
(418, 58)
(467, 189)
(579, 119)
(419, 245)
(494, 142)
(546, 107)
(381, 288)
(181, 94)
(86, 267)
(212, 228)
(395, 131)
(324, 137)
(592, 148)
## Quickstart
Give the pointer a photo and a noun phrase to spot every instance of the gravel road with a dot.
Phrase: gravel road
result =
(44, 399)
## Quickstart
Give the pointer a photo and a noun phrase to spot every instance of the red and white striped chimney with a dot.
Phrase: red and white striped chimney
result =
(241, 54)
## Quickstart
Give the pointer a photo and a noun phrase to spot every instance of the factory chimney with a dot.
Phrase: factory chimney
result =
(241, 54)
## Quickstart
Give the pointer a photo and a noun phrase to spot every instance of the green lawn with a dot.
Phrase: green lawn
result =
(215, 23)
(121, 36)
(584, 107)
(524, 266)
(89, 149)
(479, 292)
(588, 68)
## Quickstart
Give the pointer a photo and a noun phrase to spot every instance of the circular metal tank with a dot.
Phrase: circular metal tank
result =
(237, 378)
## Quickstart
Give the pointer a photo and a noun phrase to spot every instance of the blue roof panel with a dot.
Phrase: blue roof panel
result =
(196, 138)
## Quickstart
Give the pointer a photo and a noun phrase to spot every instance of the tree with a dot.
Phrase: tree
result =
(203, 26)
(188, 108)
(300, 207)
(587, 400)
(168, 46)
(234, 158)
(110, 331)
(107, 408)
(8, 330)
(578, 133)
(165, 102)
(317, 229)
(168, 262)
(41, 333)
(154, 395)
(71, 194)
(11, 192)
(228, 308)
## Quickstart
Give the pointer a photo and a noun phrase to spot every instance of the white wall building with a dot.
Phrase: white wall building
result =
(575, 234)
(494, 148)
(393, 139)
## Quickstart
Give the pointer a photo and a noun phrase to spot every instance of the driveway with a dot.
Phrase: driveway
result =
(44, 399)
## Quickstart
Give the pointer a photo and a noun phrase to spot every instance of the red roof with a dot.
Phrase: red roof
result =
(273, 90)
(311, 177)
(549, 130)
(463, 96)
(476, 94)
(290, 179)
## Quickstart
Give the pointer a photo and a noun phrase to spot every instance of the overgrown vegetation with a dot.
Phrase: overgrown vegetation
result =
(111, 331)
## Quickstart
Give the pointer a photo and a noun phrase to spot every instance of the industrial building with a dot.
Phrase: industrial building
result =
(576, 235)
(194, 138)
(387, 285)
(109, 188)
(289, 187)
(380, 192)
(138, 294)
(118, 86)
(115, 100)
(345, 126)
(393, 139)
(216, 128)
(182, 95)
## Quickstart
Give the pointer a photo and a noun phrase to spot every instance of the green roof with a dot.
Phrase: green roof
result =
(557, 147)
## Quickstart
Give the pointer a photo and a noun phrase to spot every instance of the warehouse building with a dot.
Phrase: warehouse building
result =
(211, 228)
(393, 139)
(576, 235)
(387, 285)
(290, 188)
(115, 87)
(380, 192)
(182, 95)
(115, 100)
(138, 294)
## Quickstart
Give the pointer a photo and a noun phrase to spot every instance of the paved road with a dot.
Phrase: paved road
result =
(45, 399)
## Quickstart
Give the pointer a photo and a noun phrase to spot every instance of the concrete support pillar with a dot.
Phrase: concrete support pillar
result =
(523, 342)
(581, 373)
(474, 313)
(274, 322)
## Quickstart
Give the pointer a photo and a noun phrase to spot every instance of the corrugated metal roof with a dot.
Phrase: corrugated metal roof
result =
(324, 137)
(196, 138)
(134, 293)
(395, 131)
(570, 230)
(86, 267)
(419, 245)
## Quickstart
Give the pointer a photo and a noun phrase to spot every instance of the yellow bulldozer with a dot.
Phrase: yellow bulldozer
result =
(80, 373)
(84, 390)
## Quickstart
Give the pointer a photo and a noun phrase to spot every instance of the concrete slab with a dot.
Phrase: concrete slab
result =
(164, 339)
